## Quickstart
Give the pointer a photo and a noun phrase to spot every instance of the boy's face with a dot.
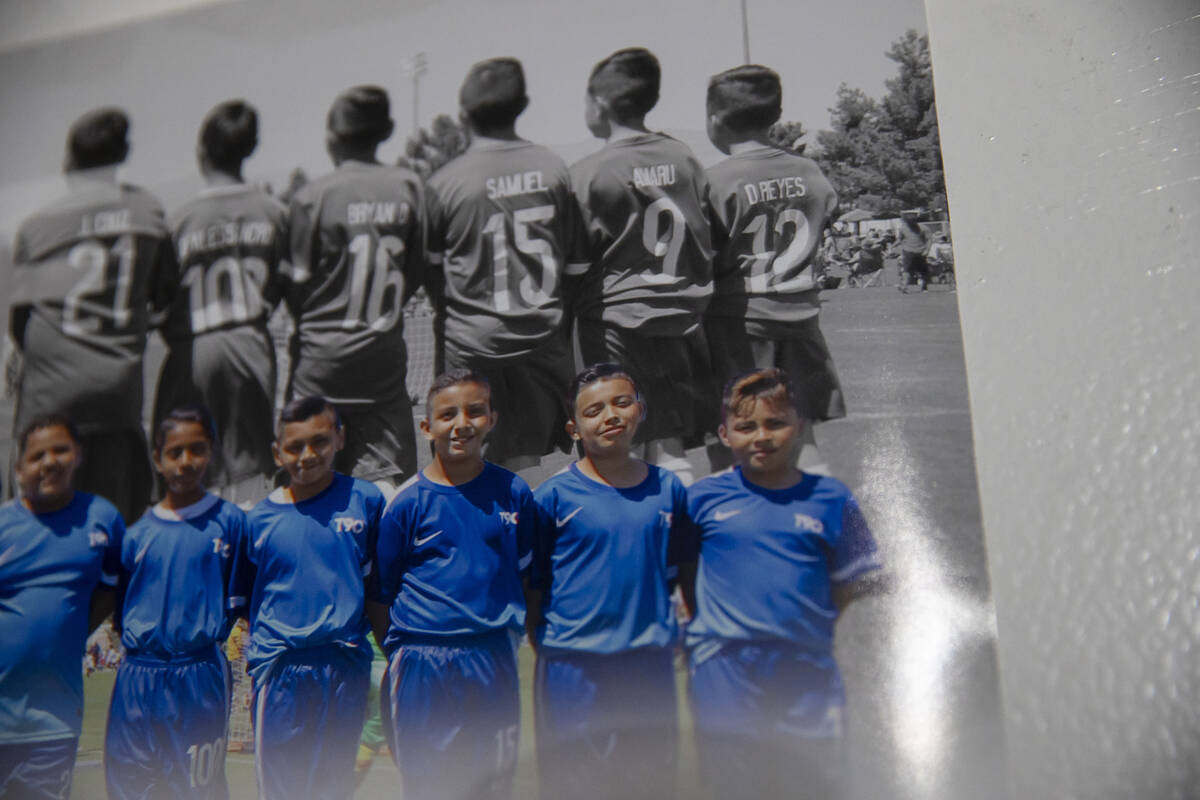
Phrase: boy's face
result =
(306, 449)
(607, 414)
(595, 116)
(184, 457)
(48, 465)
(459, 418)
(766, 439)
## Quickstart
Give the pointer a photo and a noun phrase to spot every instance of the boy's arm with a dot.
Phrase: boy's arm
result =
(687, 586)
(377, 615)
(844, 593)
(104, 602)
(104, 598)
(533, 612)
(856, 570)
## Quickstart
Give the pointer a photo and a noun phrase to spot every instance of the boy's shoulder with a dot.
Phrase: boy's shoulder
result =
(214, 203)
(476, 164)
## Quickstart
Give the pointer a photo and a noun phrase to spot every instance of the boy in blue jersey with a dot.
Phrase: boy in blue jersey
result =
(453, 547)
(301, 569)
(644, 198)
(59, 558)
(170, 702)
(612, 531)
(781, 554)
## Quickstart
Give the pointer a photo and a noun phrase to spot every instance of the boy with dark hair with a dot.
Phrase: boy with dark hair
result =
(61, 554)
(644, 201)
(357, 248)
(170, 703)
(770, 207)
(89, 271)
(231, 241)
(300, 578)
(506, 233)
(454, 547)
(782, 552)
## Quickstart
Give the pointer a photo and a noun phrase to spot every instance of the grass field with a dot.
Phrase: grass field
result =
(917, 662)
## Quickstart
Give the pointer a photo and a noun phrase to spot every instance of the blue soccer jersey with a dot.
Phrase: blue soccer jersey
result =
(769, 560)
(604, 557)
(451, 557)
(176, 567)
(301, 571)
(49, 566)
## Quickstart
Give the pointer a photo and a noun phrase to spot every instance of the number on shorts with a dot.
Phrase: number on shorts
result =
(376, 309)
(663, 244)
(769, 270)
(506, 747)
(205, 759)
(230, 290)
(104, 270)
(531, 293)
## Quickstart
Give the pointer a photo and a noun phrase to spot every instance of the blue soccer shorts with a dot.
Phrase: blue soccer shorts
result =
(606, 724)
(37, 770)
(452, 714)
(309, 709)
(768, 721)
(166, 728)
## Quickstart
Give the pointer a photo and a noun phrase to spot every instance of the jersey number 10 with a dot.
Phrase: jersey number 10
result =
(230, 290)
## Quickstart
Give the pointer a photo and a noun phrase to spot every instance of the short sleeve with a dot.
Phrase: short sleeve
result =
(391, 551)
(243, 572)
(544, 529)
(375, 508)
(110, 570)
(526, 528)
(683, 546)
(854, 551)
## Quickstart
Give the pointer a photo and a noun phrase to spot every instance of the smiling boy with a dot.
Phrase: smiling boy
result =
(453, 548)
(781, 554)
(302, 572)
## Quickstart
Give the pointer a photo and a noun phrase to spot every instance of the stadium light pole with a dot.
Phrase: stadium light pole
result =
(745, 35)
(414, 66)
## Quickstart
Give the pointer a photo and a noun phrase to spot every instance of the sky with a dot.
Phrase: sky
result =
(291, 58)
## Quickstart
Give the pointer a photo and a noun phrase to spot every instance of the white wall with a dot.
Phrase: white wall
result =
(1071, 136)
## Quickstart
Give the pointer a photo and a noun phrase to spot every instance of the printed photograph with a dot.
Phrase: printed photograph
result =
(485, 399)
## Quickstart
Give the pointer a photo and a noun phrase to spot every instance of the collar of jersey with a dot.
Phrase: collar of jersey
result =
(197, 508)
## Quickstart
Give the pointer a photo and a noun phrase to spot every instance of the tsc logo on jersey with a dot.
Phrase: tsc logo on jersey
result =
(97, 539)
(349, 525)
(221, 547)
(810, 524)
(666, 517)
(509, 516)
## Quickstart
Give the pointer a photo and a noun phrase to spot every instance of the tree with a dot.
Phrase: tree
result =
(885, 155)
(787, 135)
(427, 150)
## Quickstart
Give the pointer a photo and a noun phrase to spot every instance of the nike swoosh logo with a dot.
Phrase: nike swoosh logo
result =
(721, 516)
(567, 518)
(422, 540)
(137, 558)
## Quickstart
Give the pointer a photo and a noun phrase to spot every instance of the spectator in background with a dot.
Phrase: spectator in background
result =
(913, 244)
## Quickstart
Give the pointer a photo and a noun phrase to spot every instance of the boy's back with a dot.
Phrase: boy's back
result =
(645, 208)
(503, 217)
(88, 269)
(357, 244)
(769, 209)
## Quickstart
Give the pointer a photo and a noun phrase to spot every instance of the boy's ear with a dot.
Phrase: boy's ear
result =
(721, 434)
(426, 431)
(275, 454)
(572, 429)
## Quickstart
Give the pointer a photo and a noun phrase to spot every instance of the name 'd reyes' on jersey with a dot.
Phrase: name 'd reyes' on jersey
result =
(775, 189)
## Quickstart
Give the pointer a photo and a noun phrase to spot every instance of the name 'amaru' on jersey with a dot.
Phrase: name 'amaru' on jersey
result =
(645, 206)
(89, 270)
(506, 229)
(770, 207)
(357, 252)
